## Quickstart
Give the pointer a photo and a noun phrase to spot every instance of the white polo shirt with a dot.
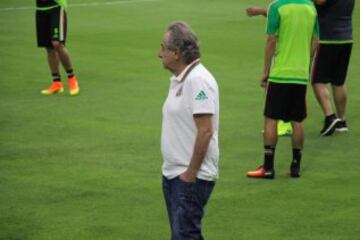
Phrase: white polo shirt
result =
(194, 91)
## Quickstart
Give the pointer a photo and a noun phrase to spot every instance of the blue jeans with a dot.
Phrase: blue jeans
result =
(185, 204)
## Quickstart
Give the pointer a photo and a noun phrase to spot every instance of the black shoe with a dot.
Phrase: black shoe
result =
(295, 169)
(341, 126)
(329, 125)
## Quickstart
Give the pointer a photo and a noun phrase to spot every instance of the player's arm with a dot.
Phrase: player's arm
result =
(256, 11)
(273, 24)
(319, 2)
(315, 42)
(204, 128)
(269, 54)
(315, 45)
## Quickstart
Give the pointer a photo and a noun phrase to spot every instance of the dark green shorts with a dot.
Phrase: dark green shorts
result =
(286, 102)
(331, 64)
(50, 25)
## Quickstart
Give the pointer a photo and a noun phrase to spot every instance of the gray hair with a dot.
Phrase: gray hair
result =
(182, 37)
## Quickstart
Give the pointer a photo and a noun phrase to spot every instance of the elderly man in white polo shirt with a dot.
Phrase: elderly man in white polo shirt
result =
(189, 137)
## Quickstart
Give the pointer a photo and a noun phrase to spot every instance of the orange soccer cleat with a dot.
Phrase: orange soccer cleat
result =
(73, 86)
(260, 172)
(56, 87)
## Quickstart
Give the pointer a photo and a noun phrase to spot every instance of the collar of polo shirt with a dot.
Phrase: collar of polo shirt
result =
(186, 71)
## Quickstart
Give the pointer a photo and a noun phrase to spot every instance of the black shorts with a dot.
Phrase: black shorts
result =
(50, 25)
(285, 102)
(331, 64)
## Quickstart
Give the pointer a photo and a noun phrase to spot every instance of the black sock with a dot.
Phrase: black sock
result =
(56, 77)
(70, 73)
(297, 153)
(269, 153)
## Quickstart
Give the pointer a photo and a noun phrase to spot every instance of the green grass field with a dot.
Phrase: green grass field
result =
(88, 167)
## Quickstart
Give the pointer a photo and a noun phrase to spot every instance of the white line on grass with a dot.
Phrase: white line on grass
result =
(83, 4)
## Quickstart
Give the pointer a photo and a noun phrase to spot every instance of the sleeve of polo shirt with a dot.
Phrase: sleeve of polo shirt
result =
(203, 99)
(273, 19)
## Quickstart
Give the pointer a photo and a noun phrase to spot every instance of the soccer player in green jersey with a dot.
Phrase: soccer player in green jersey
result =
(292, 29)
(51, 34)
(283, 128)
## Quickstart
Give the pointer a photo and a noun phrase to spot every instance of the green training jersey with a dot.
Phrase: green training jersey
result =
(49, 4)
(294, 22)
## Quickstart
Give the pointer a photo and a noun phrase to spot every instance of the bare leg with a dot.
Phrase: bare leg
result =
(53, 60)
(270, 132)
(54, 64)
(323, 97)
(64, 57)
(297, 142)
(297, 139)
(63, 54)
(340, 99)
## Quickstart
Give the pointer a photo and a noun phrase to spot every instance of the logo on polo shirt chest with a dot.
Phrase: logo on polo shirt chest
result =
(201, 96)
(179, 91)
